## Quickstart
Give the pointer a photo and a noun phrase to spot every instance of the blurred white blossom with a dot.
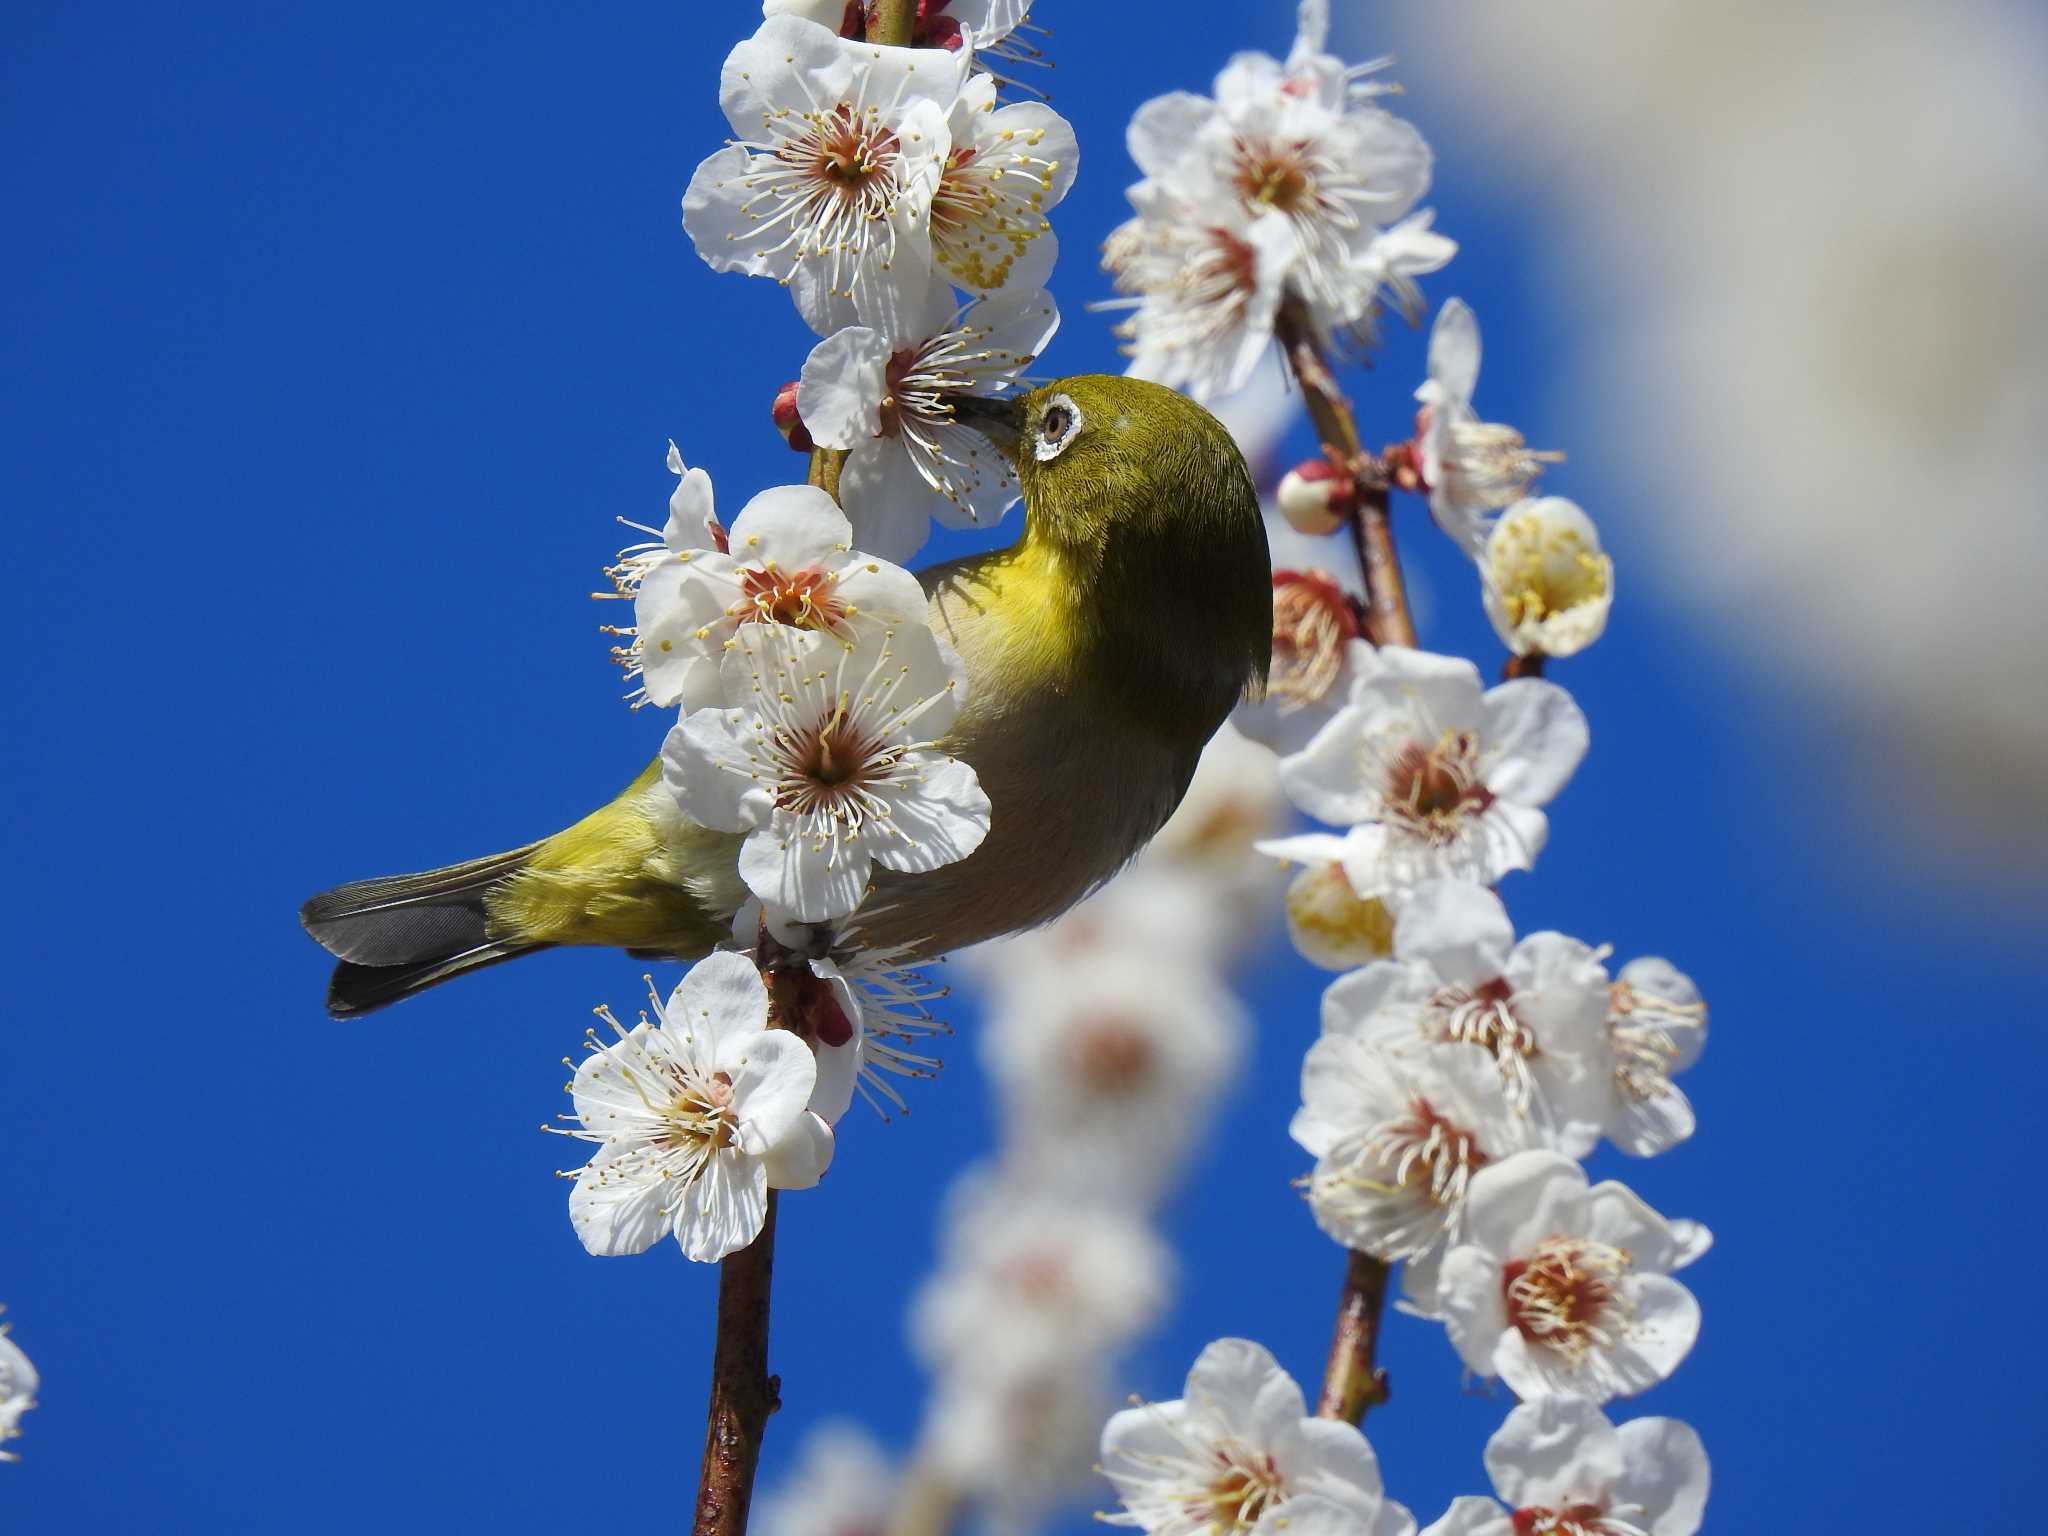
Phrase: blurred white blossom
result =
(1546, 583)
(843, 1484)
(18, 1386)
(1469, 467)
(1238, 1452)
(1565, 1470)
(1319, 651)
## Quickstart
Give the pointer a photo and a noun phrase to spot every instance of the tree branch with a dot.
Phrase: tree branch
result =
(743, 1394)
(1352, 1383)
(891, 21)
(1387, 621)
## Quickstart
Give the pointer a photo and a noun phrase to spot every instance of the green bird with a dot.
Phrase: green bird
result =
(1103, 650)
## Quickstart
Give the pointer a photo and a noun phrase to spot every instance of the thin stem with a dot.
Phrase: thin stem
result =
(1530, 665)
(1387, 621)
(743, 1394)
(1351, 1382)
(826, 463)
(891, 21)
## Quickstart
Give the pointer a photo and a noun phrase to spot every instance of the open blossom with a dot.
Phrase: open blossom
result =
(1546, 584)
(937, 24)
(1469, 467)
(1239, 1453)
(1319, 648)
(826, 760)
(842, 1485)
(18, 1385)
(884, 395)
(1398, 1140)
(788, 560)
(1538, 1008)
(1442, 778)
(1564, 1290)
(1285, 181)
(828, 186)
(1566, 1470)
(692, 525)
(695, 1119)
(1110, 1062)
(1006, 167)
(1656, 1028)
(1033, 1281)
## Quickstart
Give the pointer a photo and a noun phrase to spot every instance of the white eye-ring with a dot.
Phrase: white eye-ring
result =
(1058, 426)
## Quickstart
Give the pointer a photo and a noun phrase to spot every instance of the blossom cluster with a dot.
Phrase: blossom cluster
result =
(811, 696)
(1462, 1071)
(873, 182)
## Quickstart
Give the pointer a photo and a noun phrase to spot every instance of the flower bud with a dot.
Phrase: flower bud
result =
(788, 422)
(1315, 497)
(1332, 925)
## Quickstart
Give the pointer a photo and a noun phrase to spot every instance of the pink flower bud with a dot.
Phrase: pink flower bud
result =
(788, 422)
(1316, 496)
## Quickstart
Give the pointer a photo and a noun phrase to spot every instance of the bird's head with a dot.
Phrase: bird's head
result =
(1146, 501)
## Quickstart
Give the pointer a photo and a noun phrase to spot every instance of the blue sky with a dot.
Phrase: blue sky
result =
(336, 338)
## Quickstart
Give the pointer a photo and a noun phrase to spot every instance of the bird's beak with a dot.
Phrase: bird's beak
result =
(1000, 421)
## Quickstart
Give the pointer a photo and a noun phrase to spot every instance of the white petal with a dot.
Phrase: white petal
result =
(615, 1214)
(1459, 928)
(1664, 1469)
(773, 1073)
(1617, 1215)
(1471, 1515)
(839, 392)
(721, 999)
(1536, 735)
(792, 526)
(817, 882)
(1238, 1387)
(942, 821)
(1468, 1299)
(722, 1211)
(1454, 350)
(1662, 1333)
(704, 762)
(1519, 1201)
(888, 502)
(1162, 129)
(1553, 1450)
(1335, 1460)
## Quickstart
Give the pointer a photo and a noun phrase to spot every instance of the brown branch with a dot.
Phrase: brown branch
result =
(1530, 665)
(1387, 620)
(743, 1394)
(1351, 1382)
(825, 466)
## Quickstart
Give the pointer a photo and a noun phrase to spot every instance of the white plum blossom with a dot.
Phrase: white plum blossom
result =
(825, 758)
(1566, 1470)
(1238, 1452)
(1110, 1062)
(1031, 1281)
(1330, 924)
(828, 186)
(884, 395)
(1546, 583)
(1015, 1443)
(843, 1484)
(938, 23)
(18, 1386)
(1442, 778)
(695, 1117)
(1469, 467)
(692, 525)
(1656, 1028)
(1285, 182)
(1538, 1008)
(788, 559)
(1319, 650)
(1398, 1141)
(1564, 1290)
(1006, 167)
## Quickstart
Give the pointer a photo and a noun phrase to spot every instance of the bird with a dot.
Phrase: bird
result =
(1103, 649)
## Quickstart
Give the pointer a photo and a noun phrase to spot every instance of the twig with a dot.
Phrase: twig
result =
(825, 466)
(1351, 1382)
(1387, 621)
(891, 21)
(743, 1394)
(1530, 665)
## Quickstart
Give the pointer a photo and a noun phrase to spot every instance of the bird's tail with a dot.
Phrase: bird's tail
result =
(404, 933)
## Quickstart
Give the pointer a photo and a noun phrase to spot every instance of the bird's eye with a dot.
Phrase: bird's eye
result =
(1059, 426)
